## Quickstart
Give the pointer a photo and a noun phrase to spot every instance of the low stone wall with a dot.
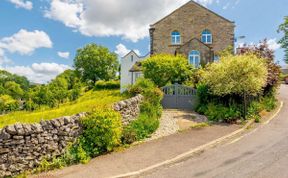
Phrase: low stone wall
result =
(22, 146)
(129, 109)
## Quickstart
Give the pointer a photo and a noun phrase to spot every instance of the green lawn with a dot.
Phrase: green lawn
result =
(89, 101)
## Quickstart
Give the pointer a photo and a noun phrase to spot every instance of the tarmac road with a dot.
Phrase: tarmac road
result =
(263, 153)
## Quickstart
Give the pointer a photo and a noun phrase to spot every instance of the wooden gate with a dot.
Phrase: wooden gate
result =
(179, 97)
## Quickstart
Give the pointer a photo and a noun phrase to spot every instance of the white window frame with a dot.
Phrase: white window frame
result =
(193, 57)
(205, 35)
(174, 38)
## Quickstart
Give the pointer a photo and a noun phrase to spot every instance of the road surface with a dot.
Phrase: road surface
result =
(263, 153)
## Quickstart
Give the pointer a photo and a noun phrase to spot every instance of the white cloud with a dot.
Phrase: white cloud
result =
(64, 55)
(25, 42)
(122, 50)
(22, 4)
(273, 44)
(39, 72)
(129, 19)
(3, 58)
(66, 11)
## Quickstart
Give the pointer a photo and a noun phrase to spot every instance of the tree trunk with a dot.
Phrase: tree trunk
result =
(245, 106)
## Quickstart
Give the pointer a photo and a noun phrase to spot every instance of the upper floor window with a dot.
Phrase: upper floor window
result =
(132, 58)
(175, 37)
(195, 58)
(206, 37)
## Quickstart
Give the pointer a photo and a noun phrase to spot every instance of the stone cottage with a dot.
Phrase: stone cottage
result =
(192, 31)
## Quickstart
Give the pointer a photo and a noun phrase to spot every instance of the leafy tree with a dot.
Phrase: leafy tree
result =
(14, 89)
(164, 68)
(7, 103)
(284, 41)
(243, 75)
(95, 63)
(262, 50)
(22, 81)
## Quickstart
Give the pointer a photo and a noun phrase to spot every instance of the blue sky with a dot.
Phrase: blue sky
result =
(39, 38)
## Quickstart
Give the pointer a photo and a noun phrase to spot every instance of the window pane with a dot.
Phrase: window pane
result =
(209, 39)
(178, 39)
(204, 39)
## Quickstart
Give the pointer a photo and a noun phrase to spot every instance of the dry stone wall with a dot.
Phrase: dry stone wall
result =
(23, 146)
(129, 109)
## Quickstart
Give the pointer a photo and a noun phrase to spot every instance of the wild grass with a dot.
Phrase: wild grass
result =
(90, 101)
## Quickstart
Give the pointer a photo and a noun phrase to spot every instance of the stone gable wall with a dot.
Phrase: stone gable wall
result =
(23, 146)
(190, 20)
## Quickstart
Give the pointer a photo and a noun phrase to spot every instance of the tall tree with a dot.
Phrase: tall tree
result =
(284, 41)
(262, 50)
(95, 63)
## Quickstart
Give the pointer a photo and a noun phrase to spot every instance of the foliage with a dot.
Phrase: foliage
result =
(7, 103)
(284, 41)
(112, 84)
(283, 77)
(14, 89)
(148, 89)
(200, 125)
(263, 51)
(151, 110)
(245, 74)
(163, 69)
(8, 77)
(101, 132)
(86, 103)
(218, 112)
(226, 52)
(267, 103)
(141, 128)
(94, 63)
(65, 87)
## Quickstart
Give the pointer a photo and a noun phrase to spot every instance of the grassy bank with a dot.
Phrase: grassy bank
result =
(90, 101)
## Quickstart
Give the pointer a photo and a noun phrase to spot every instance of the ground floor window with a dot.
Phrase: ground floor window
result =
(216, 58)
(138, 75)
(195, 58)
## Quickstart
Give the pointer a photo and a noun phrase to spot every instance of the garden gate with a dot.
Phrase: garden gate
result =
(179, 97)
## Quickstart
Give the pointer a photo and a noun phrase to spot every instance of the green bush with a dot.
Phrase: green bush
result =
(151, 109)
(112, 84)
(101, 132)
(7, 103)
(148, 89)
(255, 108)
(163, 69)
(269, 103)
(218, 112)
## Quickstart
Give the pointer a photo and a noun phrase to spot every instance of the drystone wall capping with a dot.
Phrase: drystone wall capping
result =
(129, 109)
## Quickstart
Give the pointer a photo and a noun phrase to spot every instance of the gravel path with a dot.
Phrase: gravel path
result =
(171, 121)
(168, 125)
